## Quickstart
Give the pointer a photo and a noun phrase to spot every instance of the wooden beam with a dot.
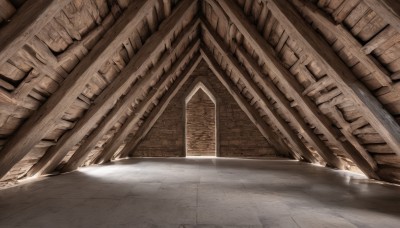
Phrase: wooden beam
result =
(267, 54)
(352, 45)
(80, 155)
(40, 123)
(29, 56)
(249, 110)
(280, 123)
(221, 14)
(6, 98)
(160, 108)
(110, 149)
(292, 114)
(389, 35)
(43, 52)
(390, 174)
(372, 110)
(25, 24)
(346, 130)
(389, 10)
(136, 66)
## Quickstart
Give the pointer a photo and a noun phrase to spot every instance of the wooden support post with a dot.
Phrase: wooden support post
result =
(112, 93)
(266, 53)
(281, 124)
(160, 108)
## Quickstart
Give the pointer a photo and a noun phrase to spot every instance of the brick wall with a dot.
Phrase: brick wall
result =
(238, 137)
(200, 130)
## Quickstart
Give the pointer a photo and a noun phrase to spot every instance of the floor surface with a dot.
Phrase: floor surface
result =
(179, 192)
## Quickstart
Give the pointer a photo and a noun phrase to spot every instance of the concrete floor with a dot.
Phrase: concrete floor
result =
(202, 193)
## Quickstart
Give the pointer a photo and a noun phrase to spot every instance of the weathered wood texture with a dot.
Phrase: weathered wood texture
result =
(277, 70)
(353, 31)
(107, 99)
(320, 76)
(37, 126)
(27, 22)
(389, 10)
(134, 92)
(379, 118)
(282, 102)
(265, 106)
(84, 31)
(364, 39)
(143, 107)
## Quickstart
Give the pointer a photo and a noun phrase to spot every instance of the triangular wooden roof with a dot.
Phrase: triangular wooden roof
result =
(78, 76)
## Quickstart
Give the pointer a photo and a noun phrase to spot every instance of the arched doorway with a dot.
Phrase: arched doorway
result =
(201, 122)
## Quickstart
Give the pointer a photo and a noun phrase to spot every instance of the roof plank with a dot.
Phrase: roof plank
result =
(266, 52)
(42, 121)
(250, 111)
(352, 45)
(123, 133)
(293, 116)
(377, 116)
(26, 23)
(78, 158)
(389, 10)
(136, 66)
(253, 88)
(160, 108)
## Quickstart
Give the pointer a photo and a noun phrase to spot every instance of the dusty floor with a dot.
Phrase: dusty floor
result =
(202, 193)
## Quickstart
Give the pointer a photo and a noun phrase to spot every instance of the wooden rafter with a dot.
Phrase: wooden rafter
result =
(280, 123)
(40, 123)
(132, 121)
(372, 110)
(79, 157)
(50, 65)
(266, 53)
(27, 22)
(389, 10)
(352, 45)
(136, 66)
(160, 108)
(293, 116)
(250, 111)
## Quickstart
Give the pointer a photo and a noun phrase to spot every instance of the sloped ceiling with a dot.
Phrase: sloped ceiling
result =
(77, 78)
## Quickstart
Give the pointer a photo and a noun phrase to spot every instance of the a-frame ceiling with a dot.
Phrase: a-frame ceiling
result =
(80, 77)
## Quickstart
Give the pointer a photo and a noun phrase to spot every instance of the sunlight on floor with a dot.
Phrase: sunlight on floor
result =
(201, 192)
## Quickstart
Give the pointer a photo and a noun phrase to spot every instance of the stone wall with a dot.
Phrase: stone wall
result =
(238, 137)
(200, 125)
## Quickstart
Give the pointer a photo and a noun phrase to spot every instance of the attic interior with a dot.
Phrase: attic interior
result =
(289, 109)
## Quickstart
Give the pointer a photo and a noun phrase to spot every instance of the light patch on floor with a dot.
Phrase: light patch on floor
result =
(202, 192)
